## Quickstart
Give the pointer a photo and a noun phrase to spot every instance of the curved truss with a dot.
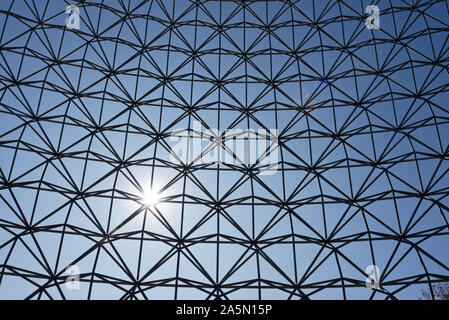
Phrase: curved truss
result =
(86, 117)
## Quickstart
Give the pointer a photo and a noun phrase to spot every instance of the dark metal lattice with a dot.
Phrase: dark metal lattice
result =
(86, 116)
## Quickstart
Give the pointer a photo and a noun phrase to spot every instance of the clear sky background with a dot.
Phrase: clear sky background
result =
(363, 136)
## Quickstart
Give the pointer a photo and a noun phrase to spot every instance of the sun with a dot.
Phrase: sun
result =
(150, 197)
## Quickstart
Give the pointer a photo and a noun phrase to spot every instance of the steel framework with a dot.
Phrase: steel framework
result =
(86, 117)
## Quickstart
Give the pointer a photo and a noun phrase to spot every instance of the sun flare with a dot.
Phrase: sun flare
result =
(150, 197)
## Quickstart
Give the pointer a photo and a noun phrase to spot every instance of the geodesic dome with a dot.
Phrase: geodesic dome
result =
(90, 190)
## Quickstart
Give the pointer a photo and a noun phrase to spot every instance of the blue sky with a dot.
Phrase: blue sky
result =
(394, 129)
